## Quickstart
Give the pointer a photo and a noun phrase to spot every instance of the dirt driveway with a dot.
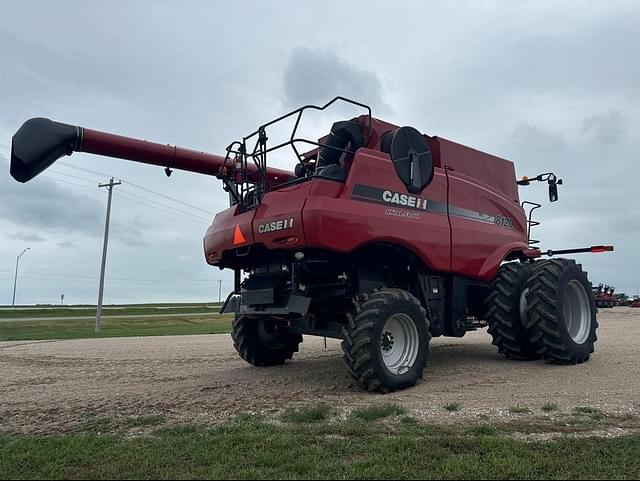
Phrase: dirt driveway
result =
(50, 386)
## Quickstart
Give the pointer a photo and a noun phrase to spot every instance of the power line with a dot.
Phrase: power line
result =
(165, 206)
(125, 195)
(168, 210)
(46, 176)
(92, 181)
(102, 174)
(150, 203)
(154, 204)
(66, 182)
(168, 197)
(184, 216)
(191, 206)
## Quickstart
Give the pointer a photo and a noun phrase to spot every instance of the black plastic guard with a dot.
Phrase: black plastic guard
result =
(292, 304)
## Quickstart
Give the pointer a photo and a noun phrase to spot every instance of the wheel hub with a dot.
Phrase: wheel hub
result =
(387, 341)
(399, 344)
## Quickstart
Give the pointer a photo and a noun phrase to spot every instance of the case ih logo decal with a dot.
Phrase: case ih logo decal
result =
(404, 200)
(367, 193)
(275, 225)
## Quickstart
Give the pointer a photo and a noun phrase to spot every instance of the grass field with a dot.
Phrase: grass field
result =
(127, 310)
(120, 327)
(56, 322)
(307, 444)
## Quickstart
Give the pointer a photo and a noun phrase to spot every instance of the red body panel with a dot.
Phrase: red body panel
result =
(479, 247)
(343, 224)
(479, 166)
(466, 226)
(284, 205)
(221, 237)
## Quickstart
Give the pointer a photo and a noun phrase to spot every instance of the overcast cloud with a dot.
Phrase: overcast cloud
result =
(314, 77)
(550, 85)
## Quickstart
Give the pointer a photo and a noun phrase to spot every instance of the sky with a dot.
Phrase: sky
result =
(553, 86)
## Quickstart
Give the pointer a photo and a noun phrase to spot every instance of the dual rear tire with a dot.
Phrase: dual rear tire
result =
(543, 310)
(561, 312)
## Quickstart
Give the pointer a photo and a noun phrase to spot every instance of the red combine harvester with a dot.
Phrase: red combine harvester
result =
(382, 237)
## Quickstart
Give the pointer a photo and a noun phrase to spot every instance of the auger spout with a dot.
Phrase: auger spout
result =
(40, 142)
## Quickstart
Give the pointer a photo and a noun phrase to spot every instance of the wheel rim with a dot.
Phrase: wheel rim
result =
(399, 343)
(577, 312)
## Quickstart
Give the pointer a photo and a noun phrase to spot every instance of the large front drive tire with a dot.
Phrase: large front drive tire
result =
(561, 312)
(386, 340)
(506, 311)
(263, 341)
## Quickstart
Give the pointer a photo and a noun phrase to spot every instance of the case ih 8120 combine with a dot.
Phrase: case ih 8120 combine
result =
(382, 237)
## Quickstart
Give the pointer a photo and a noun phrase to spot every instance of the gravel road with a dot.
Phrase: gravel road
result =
(48, 386)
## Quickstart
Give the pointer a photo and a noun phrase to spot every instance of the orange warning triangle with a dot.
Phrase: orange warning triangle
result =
(238, 238)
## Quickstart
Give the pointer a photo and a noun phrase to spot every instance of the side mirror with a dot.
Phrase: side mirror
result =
(553, 187)
(553, 192)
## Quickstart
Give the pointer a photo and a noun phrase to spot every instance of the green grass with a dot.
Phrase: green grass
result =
(452, 407)
(307, 414)
(102, 425)
(250, 448)
(482, 430)
(373, 413)
(131, 310)
(121, 327)
(590, 413)
(550, 407)
(519, 410)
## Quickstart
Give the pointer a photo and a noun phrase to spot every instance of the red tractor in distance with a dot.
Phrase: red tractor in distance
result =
(612, 299)
(599, 295)
(382, 237)
(605, 297)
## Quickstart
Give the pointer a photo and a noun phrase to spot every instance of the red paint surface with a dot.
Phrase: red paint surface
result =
(128, 148)
(325, 216)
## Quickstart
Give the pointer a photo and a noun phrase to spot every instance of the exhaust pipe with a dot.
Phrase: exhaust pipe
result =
(40, 142)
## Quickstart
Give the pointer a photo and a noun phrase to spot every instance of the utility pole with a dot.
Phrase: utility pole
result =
(109, 187)
(15, 279)
(219, 291)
